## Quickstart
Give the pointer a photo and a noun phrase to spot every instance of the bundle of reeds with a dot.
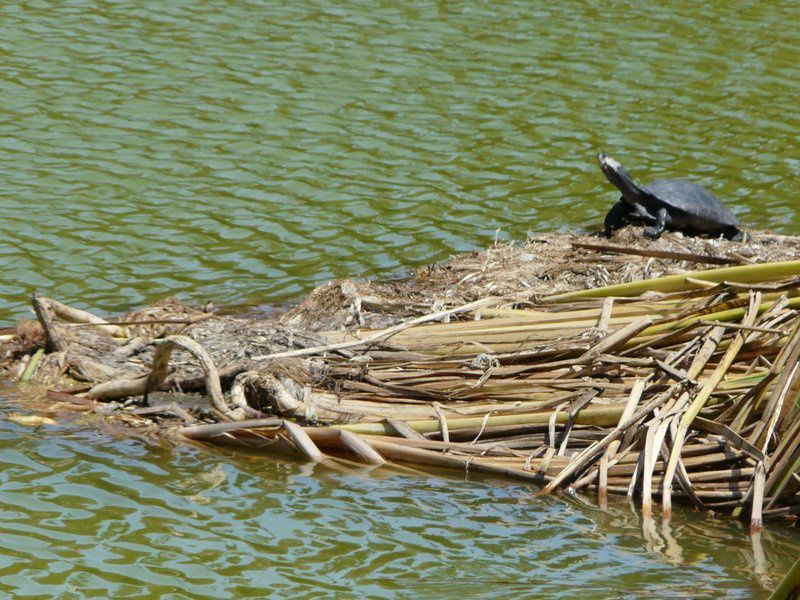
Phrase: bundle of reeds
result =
(683, 386)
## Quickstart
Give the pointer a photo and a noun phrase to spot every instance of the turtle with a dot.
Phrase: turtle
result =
(666, 204)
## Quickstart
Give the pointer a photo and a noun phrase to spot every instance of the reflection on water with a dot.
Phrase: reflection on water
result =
(243, 151)
(86, 511)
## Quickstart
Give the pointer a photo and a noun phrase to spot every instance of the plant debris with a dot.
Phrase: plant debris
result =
(661, 369)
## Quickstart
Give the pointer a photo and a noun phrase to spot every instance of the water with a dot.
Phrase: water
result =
(87, 513)
(244, 152)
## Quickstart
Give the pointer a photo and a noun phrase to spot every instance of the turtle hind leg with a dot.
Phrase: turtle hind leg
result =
(655, 231)
(616, 217)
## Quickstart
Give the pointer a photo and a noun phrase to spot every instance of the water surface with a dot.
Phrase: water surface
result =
(246, 151)
(85, 513)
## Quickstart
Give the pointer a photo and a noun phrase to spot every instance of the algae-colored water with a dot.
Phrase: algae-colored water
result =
(246, 151)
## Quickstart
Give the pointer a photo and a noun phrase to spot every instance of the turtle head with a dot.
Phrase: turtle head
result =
(611, 168)
(618, 175)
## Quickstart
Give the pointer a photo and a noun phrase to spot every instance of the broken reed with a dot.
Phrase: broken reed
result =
(688, 391)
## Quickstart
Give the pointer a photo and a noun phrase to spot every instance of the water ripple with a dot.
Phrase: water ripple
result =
(85, 512)
(225, 151)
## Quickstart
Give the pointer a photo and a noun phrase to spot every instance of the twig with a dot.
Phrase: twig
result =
(687, 256)
(120, 388)
(198, 319)
(743, 327)
(386, 333)
(55, 342)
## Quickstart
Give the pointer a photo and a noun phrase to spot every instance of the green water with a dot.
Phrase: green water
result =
(246, 151)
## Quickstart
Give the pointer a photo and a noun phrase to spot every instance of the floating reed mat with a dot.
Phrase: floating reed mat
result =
(684, 386)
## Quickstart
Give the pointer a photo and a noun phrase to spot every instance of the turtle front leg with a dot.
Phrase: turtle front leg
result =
(734, 234)
(616, 217)
(655, 231)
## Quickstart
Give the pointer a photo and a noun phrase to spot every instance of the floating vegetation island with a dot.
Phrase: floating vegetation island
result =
(658, 369)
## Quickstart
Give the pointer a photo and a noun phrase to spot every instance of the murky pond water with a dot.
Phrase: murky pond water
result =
(244, 152)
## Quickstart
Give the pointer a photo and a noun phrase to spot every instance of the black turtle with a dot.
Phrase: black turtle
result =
(666, 204)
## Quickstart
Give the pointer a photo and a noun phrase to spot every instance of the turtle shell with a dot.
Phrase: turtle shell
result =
(700, 206)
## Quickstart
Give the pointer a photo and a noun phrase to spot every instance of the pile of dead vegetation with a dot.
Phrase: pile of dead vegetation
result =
(544, 264)
(650, 368)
